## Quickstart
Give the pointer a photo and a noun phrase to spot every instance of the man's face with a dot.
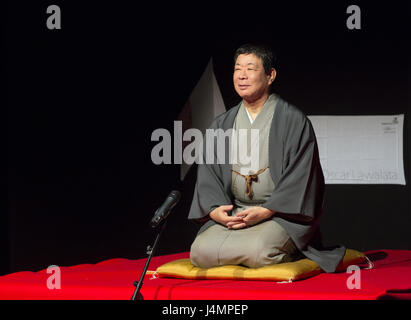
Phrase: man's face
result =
(250, 80)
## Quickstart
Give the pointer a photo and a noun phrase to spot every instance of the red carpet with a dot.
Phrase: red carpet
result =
(112, 279)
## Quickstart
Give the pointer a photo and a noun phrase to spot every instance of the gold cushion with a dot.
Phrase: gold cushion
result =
(289, 271)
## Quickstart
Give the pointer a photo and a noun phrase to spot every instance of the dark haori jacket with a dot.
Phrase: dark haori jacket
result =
(295, 168)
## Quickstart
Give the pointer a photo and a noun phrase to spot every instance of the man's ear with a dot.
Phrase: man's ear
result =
(271, 76)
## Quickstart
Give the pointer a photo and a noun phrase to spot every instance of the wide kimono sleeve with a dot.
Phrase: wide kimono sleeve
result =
(299, 184)
(299, 192)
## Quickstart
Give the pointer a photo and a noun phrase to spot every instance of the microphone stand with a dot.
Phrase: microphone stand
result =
(150, 251)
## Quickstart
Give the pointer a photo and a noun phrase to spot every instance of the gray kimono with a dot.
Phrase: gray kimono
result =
(295, 169)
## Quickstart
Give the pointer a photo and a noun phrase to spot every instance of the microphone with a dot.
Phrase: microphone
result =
(161, 214)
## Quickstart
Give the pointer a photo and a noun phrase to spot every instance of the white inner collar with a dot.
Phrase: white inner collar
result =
(249, 116)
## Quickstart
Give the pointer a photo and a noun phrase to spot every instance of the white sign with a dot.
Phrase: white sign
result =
(360, 149)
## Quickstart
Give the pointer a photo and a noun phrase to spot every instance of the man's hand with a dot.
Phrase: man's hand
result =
(250, 217)
(220, 215)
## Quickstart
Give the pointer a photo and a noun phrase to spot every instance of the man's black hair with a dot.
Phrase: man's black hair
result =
(264, 52)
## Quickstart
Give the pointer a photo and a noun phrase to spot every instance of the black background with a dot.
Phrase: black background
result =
(84, 100)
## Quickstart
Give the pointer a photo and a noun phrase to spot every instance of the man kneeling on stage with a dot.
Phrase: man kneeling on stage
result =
(268, 212)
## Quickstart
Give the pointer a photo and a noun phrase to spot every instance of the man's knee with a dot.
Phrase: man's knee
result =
(202, 255)
(265, 259)
(267, 254)
(263, 254)
(268, 248)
